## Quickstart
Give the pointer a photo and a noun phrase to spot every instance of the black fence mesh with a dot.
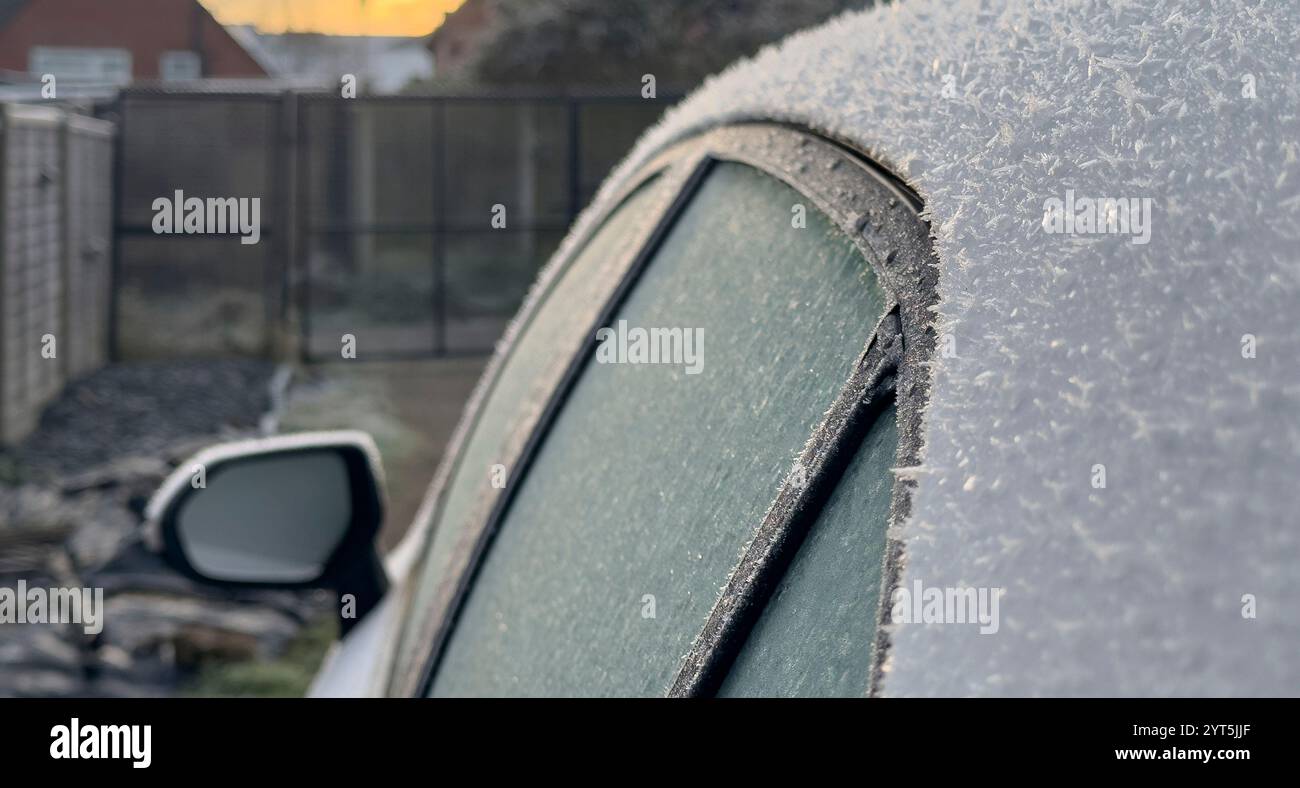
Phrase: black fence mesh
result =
(415, 224)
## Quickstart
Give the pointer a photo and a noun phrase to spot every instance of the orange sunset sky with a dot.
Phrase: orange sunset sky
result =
(340, 17)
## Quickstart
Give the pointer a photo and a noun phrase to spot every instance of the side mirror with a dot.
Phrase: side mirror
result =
(292, 511)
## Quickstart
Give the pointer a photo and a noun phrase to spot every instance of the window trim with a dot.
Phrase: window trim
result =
(803, 496)
(882, 218)
(676, 171)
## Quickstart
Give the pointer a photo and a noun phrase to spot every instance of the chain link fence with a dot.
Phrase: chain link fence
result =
(412, 224)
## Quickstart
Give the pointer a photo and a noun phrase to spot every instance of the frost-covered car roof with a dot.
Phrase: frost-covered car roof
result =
(1072, 351)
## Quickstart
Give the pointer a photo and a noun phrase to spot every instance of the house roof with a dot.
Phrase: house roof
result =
(1078, 352)
(111, 35)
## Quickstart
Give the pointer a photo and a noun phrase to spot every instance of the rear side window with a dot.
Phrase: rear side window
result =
(545, 345)
(816, 637)
(652, 478)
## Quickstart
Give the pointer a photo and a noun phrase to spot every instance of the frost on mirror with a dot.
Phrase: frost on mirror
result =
(268, 519)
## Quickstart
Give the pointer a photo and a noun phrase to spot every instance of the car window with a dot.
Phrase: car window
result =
(544, 346)
(652, 479)
(817, 635)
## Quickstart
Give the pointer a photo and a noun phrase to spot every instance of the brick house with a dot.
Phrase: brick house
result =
(457, 39)
(97, 41)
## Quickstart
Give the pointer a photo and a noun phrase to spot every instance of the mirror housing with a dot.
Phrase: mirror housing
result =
(287, 512)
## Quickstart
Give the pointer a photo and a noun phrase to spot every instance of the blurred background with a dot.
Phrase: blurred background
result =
(416, 162)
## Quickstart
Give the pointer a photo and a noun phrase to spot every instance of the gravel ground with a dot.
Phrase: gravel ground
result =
(70, 501)
(143, 409)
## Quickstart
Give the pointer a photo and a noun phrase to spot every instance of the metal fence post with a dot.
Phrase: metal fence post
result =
(115, 266)
(298, 278)
(438, 160)
(5, 404)
(575, 158)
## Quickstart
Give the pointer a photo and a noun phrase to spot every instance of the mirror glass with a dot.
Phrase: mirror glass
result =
(271, 518)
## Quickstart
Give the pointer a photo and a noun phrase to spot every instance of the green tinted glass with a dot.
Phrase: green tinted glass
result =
(652, 479)
(548, 342)
(817, 634)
